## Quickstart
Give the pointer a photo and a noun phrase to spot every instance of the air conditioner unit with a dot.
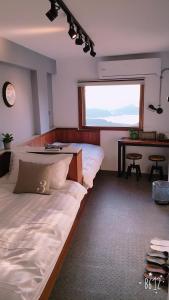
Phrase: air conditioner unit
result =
(129, 68)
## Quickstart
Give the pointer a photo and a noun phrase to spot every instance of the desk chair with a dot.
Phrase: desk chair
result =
(133, 166)
(156, 168)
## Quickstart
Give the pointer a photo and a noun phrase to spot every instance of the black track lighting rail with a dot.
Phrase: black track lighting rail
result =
(74, 20)
(76, 31)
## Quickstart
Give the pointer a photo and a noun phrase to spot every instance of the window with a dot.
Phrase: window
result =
(111, 105)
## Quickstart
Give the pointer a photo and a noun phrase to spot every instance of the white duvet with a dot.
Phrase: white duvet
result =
(33, 230)
(92, 157)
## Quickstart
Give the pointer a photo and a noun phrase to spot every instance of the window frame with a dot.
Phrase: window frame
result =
(82, 109)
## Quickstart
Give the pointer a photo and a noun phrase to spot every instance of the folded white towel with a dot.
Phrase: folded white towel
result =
(158, 242)
(160, 248)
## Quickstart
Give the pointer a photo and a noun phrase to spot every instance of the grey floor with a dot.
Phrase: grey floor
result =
(106, 258)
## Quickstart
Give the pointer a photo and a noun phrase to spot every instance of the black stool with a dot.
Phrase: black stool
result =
(156, 167)
(134, 157)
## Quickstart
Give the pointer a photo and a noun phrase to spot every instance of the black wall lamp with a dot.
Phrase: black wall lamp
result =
(159, 109)
(76, 31)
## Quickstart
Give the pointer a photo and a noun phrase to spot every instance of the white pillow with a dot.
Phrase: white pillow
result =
(59, 169)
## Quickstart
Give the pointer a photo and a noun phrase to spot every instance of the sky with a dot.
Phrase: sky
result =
(112, 96)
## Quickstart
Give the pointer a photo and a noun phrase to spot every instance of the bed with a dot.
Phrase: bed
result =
(30, 221)
(33, 231)
(87, 139)
(92, 157)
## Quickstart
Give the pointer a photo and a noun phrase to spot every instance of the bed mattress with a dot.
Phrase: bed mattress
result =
(33, 230)
(92, 157)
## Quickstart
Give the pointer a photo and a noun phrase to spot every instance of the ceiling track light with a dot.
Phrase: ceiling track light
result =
(87, 45)
(79, 40)
(92, 52)
(86, 48)
(72, 32)
(76, 31)
(53, 11)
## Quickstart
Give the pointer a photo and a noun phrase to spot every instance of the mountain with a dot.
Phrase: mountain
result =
(93, 113)
(97, 113)
(98, 122)
(126, 110)
(104, 123)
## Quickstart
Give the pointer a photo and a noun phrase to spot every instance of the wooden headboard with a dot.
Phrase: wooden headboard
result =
(67, 135)
(75, 168)
(78, 136)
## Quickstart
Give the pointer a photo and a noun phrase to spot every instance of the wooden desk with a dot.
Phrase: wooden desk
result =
(123, 142)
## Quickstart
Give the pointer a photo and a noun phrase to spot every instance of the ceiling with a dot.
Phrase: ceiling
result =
(116, 26)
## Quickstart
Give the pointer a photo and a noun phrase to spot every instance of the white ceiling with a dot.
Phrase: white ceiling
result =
(116, 26)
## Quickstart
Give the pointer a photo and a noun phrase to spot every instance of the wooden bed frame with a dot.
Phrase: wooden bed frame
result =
(67, 135)
(55, 273)
(62, 135)
(75, 168)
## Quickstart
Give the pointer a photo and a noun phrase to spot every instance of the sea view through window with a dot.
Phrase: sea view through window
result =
(112, 105)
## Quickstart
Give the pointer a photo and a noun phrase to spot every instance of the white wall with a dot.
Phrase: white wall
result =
(19, 118)
(65, 96)
(65, 105)
(41, 68)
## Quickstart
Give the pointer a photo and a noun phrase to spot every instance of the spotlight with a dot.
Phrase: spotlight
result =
(71, 32)
(53, 12)
(79, 39)
(92, 53)
(87, 46)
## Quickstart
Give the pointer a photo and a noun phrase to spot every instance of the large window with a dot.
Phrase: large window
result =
(111, 105)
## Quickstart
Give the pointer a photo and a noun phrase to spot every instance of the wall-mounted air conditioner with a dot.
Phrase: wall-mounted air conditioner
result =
(129, 68)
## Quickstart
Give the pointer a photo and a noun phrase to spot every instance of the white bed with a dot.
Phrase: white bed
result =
(92, 157)
(33, 230)
(34, 227)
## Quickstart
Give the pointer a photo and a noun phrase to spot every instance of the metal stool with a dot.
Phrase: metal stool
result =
(134, 157)
(156, 167)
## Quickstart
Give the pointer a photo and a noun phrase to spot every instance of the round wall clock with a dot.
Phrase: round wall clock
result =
(8, 93)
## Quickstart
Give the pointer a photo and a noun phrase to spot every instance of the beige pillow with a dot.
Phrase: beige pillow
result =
(60, 168)
(33, 178)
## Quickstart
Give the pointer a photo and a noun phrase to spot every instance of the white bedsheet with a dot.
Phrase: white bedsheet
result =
(33, 230)
(92, 156)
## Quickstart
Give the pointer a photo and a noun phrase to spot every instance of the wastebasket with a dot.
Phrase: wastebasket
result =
(160, 191)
